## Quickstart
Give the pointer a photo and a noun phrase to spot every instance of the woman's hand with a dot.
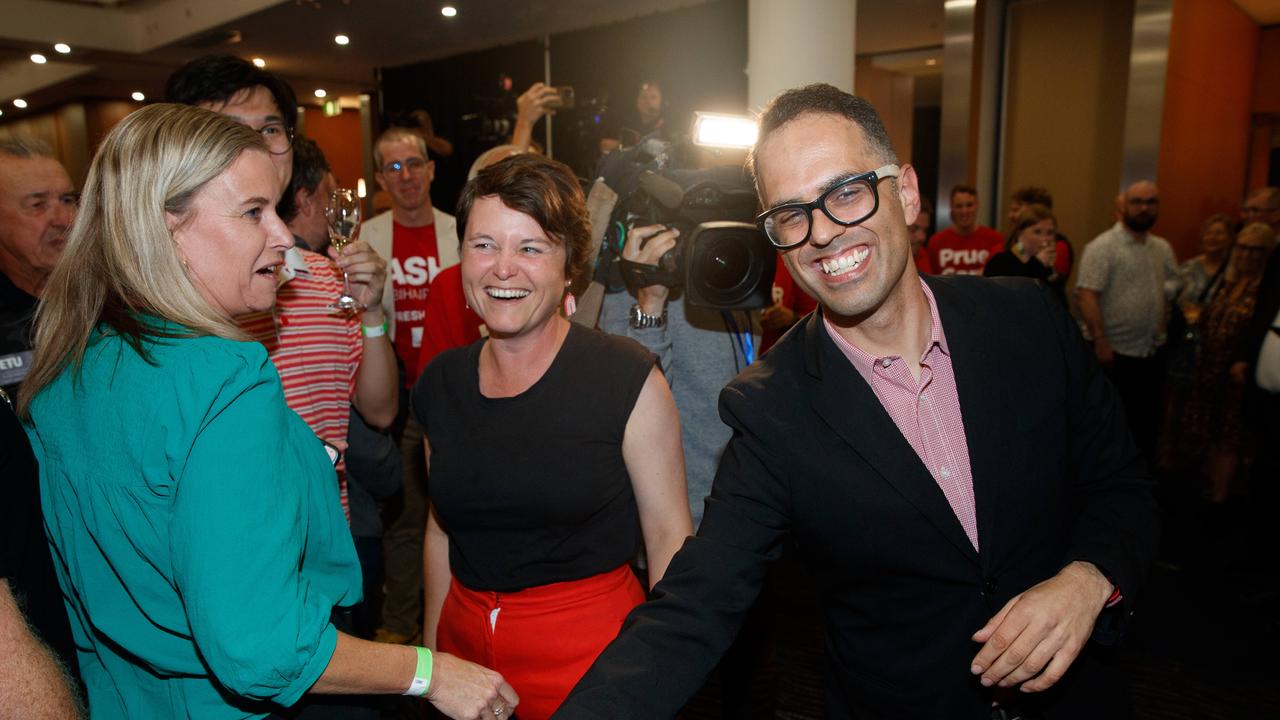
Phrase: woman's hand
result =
(465, 691)
(1048, 254)
(366, 271)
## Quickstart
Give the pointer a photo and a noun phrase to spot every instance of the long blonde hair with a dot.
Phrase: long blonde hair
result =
(120, 260)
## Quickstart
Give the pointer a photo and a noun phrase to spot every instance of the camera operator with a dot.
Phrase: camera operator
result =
(700, 350)
(650, 119)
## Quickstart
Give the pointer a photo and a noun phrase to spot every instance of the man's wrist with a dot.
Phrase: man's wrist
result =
(653, 299)
(641, 320)
(1103, 588)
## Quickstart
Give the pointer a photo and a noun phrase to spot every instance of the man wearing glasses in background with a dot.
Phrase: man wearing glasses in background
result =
(420, 241)
(943, 452)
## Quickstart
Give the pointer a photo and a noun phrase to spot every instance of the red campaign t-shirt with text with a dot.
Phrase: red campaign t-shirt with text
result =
(415, 260)
(951, 253)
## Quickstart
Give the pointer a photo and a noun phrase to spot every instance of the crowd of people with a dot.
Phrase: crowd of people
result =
(233, 473)
(1174, 338)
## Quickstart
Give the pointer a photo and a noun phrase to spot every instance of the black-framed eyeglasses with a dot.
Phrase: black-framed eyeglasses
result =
(278, 137)
(415, 166)
(848, 204)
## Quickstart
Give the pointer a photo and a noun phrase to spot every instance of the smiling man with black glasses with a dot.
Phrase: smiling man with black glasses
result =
(944, 453)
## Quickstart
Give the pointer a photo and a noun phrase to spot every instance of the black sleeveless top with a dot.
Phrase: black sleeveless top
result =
(533, 489)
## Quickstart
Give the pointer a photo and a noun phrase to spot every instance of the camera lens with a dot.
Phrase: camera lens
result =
(725, 264)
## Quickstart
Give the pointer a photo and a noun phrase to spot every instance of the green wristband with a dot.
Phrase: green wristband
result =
(374, 331)
(422, 675)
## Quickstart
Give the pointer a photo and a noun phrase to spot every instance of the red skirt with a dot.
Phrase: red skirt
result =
(541, 639)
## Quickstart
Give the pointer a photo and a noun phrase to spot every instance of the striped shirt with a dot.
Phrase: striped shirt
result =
(316, 350)
(926, 411)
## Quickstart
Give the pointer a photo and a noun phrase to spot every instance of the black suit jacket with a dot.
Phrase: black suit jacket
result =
(815, 458)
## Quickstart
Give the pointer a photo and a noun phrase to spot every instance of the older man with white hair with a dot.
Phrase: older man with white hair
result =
(37, 205)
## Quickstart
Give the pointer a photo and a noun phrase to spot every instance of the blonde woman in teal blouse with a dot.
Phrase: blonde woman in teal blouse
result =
(194, 517)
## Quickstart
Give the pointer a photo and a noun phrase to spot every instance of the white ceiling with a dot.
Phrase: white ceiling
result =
(120, 46)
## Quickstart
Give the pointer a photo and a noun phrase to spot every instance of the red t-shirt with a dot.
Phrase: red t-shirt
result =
(792, 296)
(450, 323)
(921, 258)
(951, 253)
(414, 263)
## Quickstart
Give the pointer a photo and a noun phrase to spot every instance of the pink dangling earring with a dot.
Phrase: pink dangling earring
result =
(570, 304)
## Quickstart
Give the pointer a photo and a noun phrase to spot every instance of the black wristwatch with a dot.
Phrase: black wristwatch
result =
(640, 321)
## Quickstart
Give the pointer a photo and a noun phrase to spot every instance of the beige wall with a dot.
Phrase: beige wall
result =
(893, 96)
(1067, 76)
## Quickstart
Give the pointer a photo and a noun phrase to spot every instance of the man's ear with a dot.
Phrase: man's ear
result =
(431, 171)
(305, 201)
(377, 177)
(909, 193)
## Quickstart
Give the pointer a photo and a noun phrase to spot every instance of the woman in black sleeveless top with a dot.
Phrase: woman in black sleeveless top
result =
(1031, 250)
(554, 450)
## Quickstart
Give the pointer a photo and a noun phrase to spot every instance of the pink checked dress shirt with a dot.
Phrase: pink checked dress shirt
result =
(927, 412)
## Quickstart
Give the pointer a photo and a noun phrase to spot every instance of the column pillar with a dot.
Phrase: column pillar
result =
(798, 42)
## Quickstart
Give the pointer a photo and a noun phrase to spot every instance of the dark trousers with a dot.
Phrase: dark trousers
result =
(367, 616)
(1140, 383)
(1264, 417)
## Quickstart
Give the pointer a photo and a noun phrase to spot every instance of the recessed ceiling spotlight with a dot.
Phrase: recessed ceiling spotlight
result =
(1, 113)
(931, 62)
(341, 39)
(139, 97)
(320, 92)
(19, 103)
(62, 48)
(259, 62)
(448, 11)
(39, 59)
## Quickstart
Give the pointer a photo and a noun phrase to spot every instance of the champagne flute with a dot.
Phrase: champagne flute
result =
(343, 215)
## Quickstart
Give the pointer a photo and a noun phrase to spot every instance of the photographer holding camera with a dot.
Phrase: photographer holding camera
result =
(701, 349)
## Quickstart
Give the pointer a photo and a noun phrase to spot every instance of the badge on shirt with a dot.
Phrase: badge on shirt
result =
(14, 367)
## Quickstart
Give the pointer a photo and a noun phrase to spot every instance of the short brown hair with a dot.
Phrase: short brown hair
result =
(963, 188)
(1222, 219)
(1030, 215)
(545, 190)
(1033, 195)
(825, 99)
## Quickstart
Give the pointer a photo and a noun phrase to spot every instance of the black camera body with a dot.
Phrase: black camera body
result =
(720, 259)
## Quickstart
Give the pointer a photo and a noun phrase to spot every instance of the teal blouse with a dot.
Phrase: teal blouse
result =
(196, 524)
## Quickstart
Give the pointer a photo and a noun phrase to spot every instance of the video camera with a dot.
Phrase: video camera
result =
(721, 259)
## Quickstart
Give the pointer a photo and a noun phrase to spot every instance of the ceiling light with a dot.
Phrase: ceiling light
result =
(320, 92)
(448, 11)
(62, 48)
(39, 59)
(341, 39)
(259, 62)
(1, 113)
(19, 103)
(931, 62)
(138, 96)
